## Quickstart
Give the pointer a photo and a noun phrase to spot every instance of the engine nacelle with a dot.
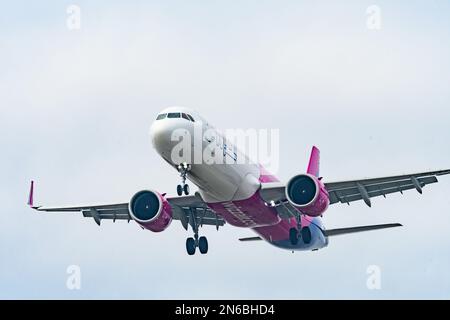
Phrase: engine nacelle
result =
(307, 194)
(150, 210)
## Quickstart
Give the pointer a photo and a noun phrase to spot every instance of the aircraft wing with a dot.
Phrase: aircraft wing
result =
(354, 190)
(183, 209)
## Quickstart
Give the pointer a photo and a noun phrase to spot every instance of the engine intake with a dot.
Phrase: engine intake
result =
(307, 194)
(150, 210)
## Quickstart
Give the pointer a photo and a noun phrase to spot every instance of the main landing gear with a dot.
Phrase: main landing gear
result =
(293, 236)
(183, 169)
(196, 242)
(305, 233)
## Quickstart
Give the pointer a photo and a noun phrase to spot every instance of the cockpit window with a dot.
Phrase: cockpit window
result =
(190, 117)
(173, 115)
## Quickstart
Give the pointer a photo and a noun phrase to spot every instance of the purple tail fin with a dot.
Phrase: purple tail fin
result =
(314, 162)
(30, 196)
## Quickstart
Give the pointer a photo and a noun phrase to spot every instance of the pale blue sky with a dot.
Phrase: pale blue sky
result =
(76, 107)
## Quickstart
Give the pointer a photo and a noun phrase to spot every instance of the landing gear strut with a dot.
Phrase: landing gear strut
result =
(183, 169)
(196, 242)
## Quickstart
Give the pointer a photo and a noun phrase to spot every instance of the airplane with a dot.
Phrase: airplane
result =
(243, 194)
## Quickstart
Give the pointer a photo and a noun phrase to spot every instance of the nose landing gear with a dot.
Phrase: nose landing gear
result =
(183, 169)
(183, 189)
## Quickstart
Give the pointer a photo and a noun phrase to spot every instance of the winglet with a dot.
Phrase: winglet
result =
(31, 194)
(314, 162)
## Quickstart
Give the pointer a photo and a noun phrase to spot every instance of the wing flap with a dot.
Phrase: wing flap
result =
(110, 215)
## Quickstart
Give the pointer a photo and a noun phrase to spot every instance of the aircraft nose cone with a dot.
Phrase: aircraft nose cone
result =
(165, 135)
(160, 135)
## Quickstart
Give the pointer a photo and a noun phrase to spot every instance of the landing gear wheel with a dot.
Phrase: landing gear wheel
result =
(186, 189)
(190, 246)
(293, 236)
(183, 168)
(203, 245)
(306, 235)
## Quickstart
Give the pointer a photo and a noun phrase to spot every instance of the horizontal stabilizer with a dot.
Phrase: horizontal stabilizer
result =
(250, 239)
(337, 232)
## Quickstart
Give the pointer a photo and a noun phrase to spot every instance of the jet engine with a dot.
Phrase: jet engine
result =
(307, 194)
(151, 210)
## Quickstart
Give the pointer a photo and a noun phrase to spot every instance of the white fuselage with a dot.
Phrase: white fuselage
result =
(232, 176)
